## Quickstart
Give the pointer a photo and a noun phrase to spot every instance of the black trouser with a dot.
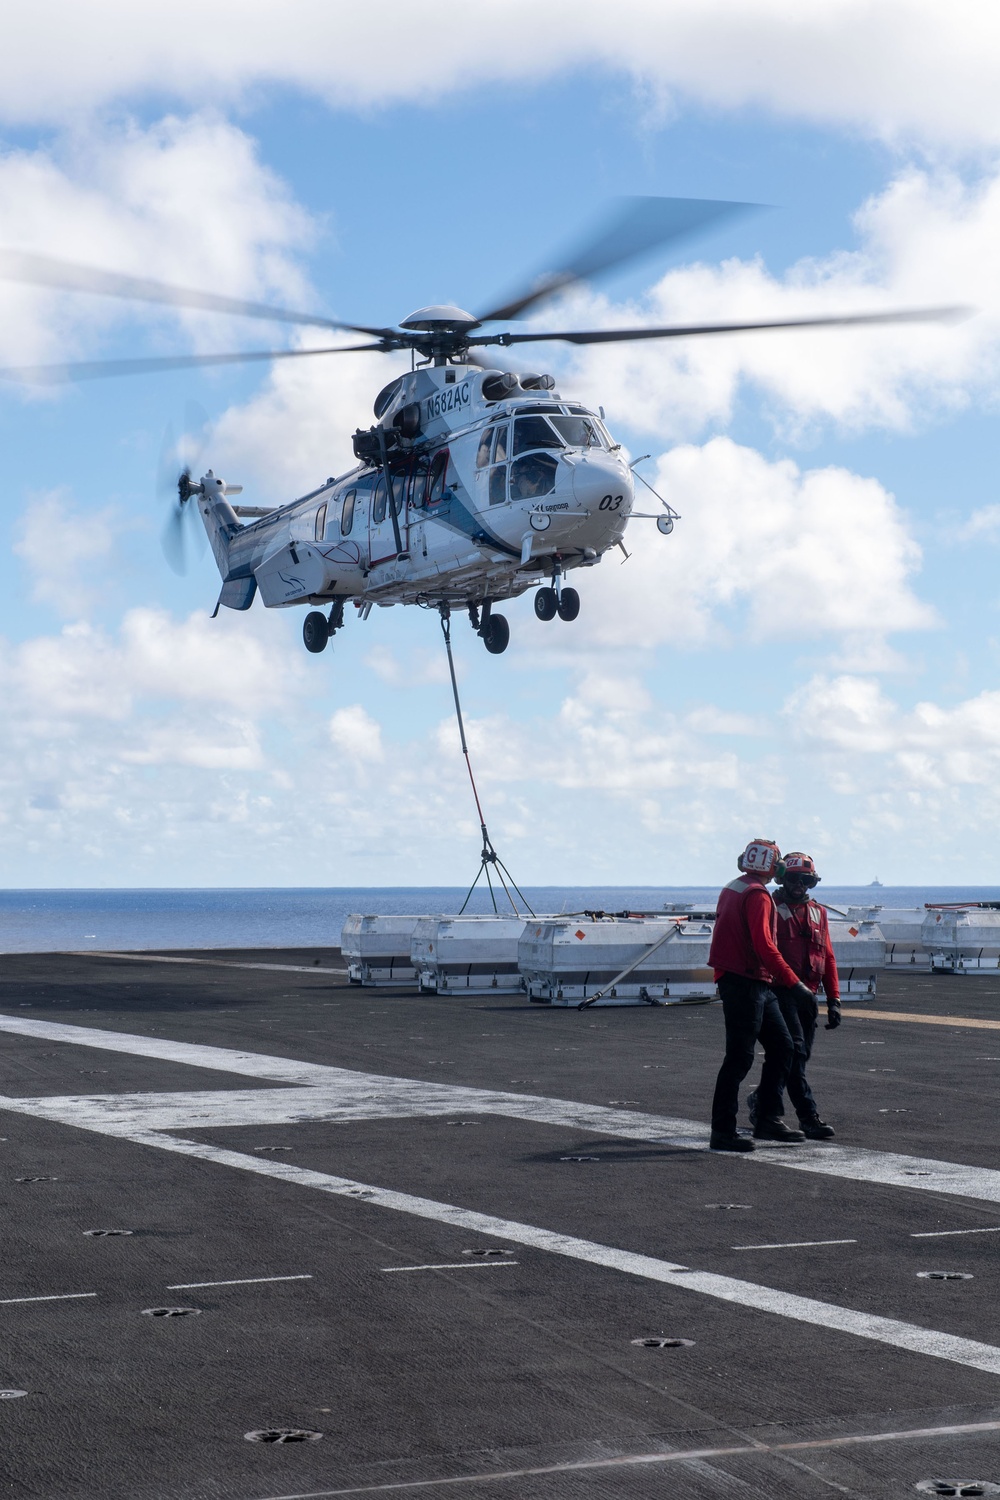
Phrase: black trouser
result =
(751, 1011)
(800, 1016)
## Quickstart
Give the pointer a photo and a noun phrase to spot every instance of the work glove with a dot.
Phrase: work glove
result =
(833, 1017)
(804, 991)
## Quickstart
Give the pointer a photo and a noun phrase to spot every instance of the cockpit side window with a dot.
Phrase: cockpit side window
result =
(533, 475)
(320, 522)
(534, 432)
(500, 451)
(483, 452)
(347, 514)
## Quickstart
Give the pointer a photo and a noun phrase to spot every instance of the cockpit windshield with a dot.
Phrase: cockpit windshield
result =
(578, 432)
(535, 432)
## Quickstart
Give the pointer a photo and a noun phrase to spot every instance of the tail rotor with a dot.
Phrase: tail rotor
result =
(182, 532)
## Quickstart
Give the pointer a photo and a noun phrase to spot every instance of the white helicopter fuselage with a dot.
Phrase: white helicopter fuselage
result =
(494, 490)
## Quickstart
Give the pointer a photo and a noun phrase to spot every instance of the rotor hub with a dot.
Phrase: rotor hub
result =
(446, 318)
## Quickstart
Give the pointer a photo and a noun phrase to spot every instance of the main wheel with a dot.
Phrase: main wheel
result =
(546, 604)
(569, 604)
(315, 631)
(496, 636)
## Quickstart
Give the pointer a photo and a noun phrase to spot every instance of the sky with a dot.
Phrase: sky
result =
(812, 656)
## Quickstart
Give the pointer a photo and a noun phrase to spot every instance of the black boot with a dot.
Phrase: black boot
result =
(722, 1142)
(816, 1129)
(776, 1130)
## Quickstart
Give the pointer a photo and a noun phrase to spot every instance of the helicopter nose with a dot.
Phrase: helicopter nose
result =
(600, 477)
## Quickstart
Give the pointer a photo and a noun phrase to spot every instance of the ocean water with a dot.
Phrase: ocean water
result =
(48, 921)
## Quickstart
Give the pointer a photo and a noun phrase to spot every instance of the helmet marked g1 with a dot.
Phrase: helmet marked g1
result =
(760, 857)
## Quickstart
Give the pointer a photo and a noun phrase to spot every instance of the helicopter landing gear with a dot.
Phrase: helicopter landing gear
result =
(315, 631)
(496, 634)
(565, 603)
(493, 628)
(546, 604)
(569, 604)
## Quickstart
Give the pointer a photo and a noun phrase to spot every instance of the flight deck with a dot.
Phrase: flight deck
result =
(271, 1235)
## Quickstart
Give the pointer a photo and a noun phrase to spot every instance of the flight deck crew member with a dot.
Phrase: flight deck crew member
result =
(747, 964)
(804, 944)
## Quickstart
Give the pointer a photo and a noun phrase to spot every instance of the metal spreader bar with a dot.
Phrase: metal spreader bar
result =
(647, 952)
(489, 856)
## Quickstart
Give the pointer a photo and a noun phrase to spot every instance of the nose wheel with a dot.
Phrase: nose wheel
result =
(565, 604)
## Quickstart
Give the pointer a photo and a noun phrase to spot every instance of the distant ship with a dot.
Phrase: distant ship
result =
(875, 885)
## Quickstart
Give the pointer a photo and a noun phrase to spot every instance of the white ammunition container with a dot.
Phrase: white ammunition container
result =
(467, 955)
(377, 949)
(859, 948)
(902, 928)
(965, 941)
(563, 960)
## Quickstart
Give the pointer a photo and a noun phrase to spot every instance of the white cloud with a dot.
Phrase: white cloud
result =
(926, 241)
(297, 429)
(66, 551)
(982, 526)
(758, 541)
(354, 732)
(186, 201)
(890, 68)
(926, 747)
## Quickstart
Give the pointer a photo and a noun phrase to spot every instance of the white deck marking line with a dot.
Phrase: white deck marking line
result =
(793, 1245)
(212, 963)
(52, 1297)
(188, 1286)
(938, 1234)
(908, 1336)
(625, 1460)
(456, 1265)
(377, 1097)
(343, 1095)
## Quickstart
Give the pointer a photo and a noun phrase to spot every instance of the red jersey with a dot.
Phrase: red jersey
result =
(744, 939)
(804, 943)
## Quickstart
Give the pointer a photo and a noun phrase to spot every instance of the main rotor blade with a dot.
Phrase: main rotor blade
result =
(98, 369)
(636, 226)
(696, 330)
(67, 276)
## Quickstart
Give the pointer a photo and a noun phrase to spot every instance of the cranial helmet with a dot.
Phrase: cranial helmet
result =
(760, 857)
(801, 867)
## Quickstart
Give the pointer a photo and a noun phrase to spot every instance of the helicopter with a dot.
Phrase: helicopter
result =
(474, 484)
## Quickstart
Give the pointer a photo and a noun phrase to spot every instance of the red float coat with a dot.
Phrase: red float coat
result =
(804, 943)
(744, 939)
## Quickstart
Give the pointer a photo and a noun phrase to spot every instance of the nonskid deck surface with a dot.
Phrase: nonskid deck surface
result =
(432, 1229)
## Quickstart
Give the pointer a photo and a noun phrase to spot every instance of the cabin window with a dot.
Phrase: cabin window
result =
(500, 450)
(483, 452)
(534, 432)
(347, 514)
(498, 484)
(378, 501)
(320, 522)
(437, 477)
(399, 492)
(418, 482)
(533, 475)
